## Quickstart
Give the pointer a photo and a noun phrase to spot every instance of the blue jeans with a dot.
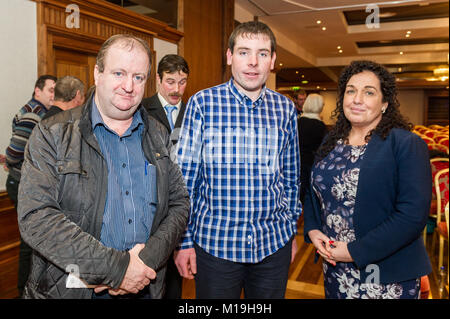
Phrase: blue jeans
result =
(218, 278)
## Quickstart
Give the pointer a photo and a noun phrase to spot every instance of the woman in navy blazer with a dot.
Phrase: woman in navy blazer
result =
(370, 193)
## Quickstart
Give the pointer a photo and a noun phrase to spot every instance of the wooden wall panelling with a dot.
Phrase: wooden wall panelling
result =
(9, 248)
(206, 25)
(98, 21)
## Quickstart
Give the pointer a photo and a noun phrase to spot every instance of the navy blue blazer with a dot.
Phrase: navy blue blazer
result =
(391, 209)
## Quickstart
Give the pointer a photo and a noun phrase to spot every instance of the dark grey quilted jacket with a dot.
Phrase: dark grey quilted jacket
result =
(62, 197)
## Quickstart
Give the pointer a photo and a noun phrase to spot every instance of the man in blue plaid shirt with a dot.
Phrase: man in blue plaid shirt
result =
(239, 154)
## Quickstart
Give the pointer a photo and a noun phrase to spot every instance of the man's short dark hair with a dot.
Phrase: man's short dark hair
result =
(66, 88)
(171, 63)
(40, 82)
(252, 28)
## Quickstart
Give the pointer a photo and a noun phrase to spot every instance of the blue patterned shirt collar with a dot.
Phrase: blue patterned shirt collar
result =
(244, 99)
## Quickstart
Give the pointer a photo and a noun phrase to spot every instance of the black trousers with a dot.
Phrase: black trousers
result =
(218, 278)
(25, 251)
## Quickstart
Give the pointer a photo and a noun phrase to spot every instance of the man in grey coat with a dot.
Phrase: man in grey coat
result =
(100, 201)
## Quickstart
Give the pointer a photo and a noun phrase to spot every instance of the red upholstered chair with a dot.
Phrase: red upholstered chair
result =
(439, 137)
(444, 142)
(437, 164)
(441, 181)
(424, 287)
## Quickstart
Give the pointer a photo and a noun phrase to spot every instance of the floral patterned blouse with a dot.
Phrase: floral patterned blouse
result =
(335, 182)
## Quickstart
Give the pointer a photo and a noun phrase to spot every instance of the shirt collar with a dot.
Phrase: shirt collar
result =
(164, 102)
(244, 99)
(97, 119)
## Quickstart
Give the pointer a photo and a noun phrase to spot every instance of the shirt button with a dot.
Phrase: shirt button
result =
(124, 165)
(127, 192)
(130, 221)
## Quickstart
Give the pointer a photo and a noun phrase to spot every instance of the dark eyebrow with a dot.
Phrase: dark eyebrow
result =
(366, 87)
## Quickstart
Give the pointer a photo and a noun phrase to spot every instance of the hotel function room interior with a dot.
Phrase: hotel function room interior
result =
(316, 39)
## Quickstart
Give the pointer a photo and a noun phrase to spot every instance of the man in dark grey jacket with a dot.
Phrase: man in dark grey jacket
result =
(100, 201)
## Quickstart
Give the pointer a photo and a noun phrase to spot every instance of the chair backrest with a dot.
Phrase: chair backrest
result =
(439, 137)
(437, 164)
(427, 139)
(442, 189)
(446, 216)
(438, 147)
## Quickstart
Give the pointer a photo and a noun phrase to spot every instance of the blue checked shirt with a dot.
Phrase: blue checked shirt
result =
(241, 163)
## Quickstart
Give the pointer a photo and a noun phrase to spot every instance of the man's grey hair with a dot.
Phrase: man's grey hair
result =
(66, 88)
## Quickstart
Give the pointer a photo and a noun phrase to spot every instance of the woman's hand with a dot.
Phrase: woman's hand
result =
(340, 252)
(322, 244)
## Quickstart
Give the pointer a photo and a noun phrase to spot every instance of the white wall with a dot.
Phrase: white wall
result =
(18, 62)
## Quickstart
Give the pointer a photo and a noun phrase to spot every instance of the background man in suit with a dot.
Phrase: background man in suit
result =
(167, 107)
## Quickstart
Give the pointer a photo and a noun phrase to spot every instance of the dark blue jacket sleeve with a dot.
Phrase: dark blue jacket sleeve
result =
(404, 200)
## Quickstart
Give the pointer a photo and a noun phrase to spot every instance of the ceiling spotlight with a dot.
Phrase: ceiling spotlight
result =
(281, 64)
(408, 32)
(324, 28)
(340, 51)
(407, 35)
(318, 21)
(339, 47)
(296, 72)
(401, 52)
(318, 87)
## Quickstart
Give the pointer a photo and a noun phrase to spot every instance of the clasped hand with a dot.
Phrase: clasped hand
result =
(137, 276)
(331, 251)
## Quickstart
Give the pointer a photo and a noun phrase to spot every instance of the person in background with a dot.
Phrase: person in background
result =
(370, 193)
(299, 99)
(238, 152)
(311, 131)
(167, 107)
(69, 93)
(22, 126)
(100, 202)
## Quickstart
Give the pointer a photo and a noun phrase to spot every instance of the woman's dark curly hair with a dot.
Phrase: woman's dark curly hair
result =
(390, 119)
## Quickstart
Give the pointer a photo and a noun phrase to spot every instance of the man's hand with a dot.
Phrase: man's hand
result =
(294, 249)
(138, 275)
(186, 262)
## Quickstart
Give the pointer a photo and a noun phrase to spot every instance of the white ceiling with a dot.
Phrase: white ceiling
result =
(303, 44)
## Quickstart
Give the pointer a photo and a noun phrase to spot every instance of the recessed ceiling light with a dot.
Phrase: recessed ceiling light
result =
(296, 72)
(324, 28)
(408, 35)
(408, 32)
(281, 64)
(318, 87)
(318, 21)
(338, 47)
(401, 52)
(340, 51)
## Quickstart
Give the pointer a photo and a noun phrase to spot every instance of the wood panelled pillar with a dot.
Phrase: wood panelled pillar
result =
(206, 24)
